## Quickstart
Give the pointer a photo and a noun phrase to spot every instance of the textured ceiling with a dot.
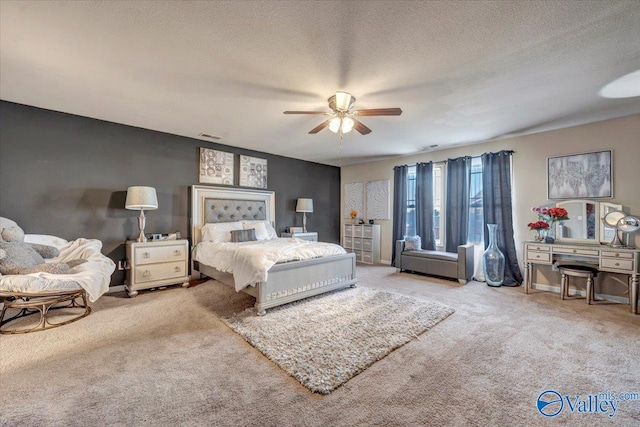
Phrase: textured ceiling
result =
(462, 72)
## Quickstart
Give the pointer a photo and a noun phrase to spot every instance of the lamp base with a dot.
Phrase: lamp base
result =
(141, 224)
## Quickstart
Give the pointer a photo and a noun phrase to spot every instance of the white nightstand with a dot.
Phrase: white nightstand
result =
(156, 263)
(310, 235)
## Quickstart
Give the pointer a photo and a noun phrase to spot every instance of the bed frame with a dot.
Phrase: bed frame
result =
(287, 282)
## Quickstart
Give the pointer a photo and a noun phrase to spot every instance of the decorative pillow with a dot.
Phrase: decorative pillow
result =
(248, 235)
(412, 243)
(260, 229)
(219, 232)
(267, 225)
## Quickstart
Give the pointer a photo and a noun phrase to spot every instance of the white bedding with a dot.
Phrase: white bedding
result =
(93, 275)
(250, 261)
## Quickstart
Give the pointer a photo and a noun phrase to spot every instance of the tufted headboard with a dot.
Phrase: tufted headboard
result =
(224, 204)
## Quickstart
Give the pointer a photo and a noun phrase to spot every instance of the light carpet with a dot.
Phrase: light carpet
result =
(326, 340)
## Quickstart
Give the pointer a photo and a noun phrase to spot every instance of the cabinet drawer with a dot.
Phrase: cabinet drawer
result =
(541, 257)
(367, 245)
(626, 255)
(348, 230)
(149, 273)
(358, 255)
(150, 255)
(576, 251)
(367, 232)
(538, 248)
(617, 264)
(357, 243)
(367, 257)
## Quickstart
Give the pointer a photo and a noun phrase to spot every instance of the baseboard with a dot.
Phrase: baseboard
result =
(385, 261)
(581, 292)
(114, 289)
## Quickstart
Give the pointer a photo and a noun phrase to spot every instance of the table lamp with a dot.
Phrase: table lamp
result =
(141, 198)
(304, 206)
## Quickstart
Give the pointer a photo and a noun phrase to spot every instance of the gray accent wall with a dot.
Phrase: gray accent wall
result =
(67, 175)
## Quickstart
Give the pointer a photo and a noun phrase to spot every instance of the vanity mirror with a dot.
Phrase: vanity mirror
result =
(607, 232)
(583, 224)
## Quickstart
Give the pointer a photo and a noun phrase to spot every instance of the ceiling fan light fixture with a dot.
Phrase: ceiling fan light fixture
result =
(334, 124)
(343, 101)
(347, 124)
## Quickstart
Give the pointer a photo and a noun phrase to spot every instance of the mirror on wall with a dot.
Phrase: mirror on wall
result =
(583, 224)
(607, 232)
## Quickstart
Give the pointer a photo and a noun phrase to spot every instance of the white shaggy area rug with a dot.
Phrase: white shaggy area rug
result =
(326, 340)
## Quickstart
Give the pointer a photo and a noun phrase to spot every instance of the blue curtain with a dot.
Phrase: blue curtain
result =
(399, 207)
(457, 204)
(424, 205)
(498, 208)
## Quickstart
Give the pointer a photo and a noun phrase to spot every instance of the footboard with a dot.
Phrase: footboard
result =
(296, 280)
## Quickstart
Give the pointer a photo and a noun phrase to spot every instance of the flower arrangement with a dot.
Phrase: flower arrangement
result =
(538, 225)
(353, 213)
(546, 217)
(551, 214)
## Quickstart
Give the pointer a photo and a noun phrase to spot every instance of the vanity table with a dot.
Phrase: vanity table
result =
(578, 240)
(604, 258)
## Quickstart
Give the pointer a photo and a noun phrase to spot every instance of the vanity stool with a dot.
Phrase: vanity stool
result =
(574, 270)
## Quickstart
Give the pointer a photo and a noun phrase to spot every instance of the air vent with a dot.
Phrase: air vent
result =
(213, 137)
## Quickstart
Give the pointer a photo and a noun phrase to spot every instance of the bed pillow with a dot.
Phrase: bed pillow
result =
(260, 230)
(271, 233)
(413, 243)
(248, 235)
(220, 232)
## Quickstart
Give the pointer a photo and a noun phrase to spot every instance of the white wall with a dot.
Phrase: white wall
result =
(530, 168)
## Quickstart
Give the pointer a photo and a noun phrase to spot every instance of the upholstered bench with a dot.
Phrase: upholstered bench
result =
(436, 263)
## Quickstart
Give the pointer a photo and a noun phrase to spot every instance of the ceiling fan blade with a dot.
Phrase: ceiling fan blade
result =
(360, 127)
(305, 112)
(320, 127)
(379, 112)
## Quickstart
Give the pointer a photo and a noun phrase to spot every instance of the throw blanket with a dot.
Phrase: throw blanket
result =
(250, 261)
(93, 275)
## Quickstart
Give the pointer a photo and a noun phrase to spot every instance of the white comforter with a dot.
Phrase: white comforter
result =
(93, 275)
(250, 261)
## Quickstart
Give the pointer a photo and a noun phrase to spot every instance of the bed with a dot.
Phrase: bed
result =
(40, 293)
(285, 282)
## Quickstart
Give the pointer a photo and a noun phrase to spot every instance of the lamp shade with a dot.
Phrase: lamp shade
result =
(139, 198)
(304, 205)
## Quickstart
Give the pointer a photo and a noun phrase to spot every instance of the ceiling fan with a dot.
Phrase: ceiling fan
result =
(343, 120)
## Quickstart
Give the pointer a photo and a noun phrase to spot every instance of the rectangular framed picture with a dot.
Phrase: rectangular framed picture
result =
(216, 167)
(253, 172)
(580, 176)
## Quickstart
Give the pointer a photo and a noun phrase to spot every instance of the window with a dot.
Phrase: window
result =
(411, 202)
(438, 188)
(437, 201)
(476, 228)
(476, 224)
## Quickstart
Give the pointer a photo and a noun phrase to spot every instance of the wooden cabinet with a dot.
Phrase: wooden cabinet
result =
(364, 241)
(157, 263)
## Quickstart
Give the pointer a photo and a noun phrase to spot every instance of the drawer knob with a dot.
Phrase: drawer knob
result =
(146, 255)
(146, 273)
(177, 269)
(176, 252)
(617, 264)
(574, 251)
(617, 254)
(537, 256)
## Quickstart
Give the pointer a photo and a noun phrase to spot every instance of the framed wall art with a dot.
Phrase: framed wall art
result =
(378, 199)
(354, 199)
(216, 167)
(579, 176)
(253, 172)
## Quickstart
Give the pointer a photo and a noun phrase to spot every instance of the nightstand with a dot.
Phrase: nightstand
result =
(156, 263)
(312, 236)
